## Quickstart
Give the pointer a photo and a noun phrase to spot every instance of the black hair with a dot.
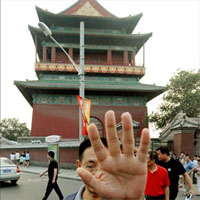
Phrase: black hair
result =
(153, 155)
(86, 144)
(163, 150)
(51, 154)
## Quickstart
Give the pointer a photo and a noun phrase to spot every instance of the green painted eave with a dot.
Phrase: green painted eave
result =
(91, 22)
(133, 41)
(27, 88)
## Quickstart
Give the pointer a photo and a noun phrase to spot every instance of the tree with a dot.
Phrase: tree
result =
(11, 129)
(183, 95)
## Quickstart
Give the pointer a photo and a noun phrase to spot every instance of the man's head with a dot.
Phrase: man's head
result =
(50, 155)
(163, 153)
(174, 156)
(195, 157)
(84, 147)
(151, 158)
(182, 154)
(88, 160)
(187, 158)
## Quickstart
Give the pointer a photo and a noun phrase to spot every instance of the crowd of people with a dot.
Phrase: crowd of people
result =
(192, 167)
(22, 159)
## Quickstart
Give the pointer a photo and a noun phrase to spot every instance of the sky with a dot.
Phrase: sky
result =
(175, 44)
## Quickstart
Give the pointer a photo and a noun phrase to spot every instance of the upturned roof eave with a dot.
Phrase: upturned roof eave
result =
(64, 84)
(132, 21)
(128, 36)
(25, 86)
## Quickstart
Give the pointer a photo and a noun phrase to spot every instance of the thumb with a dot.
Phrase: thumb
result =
(89, 179)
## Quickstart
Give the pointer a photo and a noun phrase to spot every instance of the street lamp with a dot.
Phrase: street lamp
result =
(45, 29)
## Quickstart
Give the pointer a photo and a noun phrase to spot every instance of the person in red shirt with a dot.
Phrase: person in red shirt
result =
(157, 186)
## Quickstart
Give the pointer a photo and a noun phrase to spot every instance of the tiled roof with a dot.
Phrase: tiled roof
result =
(180, 121)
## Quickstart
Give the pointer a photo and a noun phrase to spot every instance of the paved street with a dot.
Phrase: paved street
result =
(32, 187)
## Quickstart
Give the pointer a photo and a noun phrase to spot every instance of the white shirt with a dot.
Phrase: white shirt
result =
(17, 156)
(12, 156)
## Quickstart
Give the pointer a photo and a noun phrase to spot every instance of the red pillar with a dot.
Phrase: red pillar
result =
(109, 57)
(71, 52)
(125, 58)
(53, 54)
(133, 59)
(44, 58)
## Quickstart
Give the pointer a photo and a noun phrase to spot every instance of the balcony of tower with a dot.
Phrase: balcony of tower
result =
(108, 63)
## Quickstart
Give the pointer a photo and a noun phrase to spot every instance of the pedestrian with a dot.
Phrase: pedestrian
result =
(174, 156)
(188, 164)
(182, 157)
(24, 163)
(157, 186)
(189, 168)
(174, 168)
(21, 159)
(53, 176)
(17, 157)
(181, 178)
(12, 157)
(198, 177)
(194, 177)
(195, 160)
(27, 156)
(108, 173)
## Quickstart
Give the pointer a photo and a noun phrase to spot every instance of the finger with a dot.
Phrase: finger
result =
(144, 145)
(97, 145)
(111, 134)
(89, 179)
(127, 136)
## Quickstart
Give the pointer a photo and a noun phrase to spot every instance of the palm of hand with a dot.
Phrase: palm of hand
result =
(121, 178)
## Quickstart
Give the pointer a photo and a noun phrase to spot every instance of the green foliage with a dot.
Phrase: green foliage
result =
(11, 129)
(183, 95)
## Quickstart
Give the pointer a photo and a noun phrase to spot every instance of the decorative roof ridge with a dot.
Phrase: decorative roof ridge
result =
(93, 2)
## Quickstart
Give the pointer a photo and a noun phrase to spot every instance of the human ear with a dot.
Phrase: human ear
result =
(78, 163)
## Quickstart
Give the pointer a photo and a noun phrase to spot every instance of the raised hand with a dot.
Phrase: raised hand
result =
(120, 175)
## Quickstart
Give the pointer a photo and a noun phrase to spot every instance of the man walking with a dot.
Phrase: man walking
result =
(157, 186)
(189, 167)
(53, 175)
(174, 168)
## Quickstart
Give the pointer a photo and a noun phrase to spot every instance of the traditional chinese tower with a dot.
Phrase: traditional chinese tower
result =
(111, 75)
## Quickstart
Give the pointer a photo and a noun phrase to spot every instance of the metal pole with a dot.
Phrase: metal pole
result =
(82, 77)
